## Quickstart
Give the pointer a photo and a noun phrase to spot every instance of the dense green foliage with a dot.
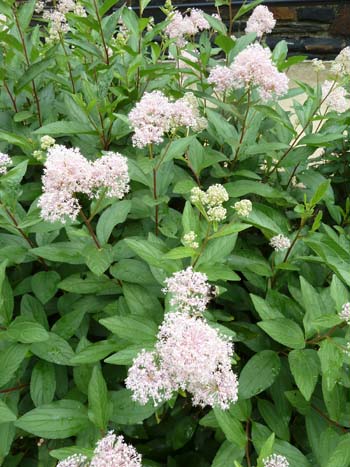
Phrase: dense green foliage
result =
(80, 300)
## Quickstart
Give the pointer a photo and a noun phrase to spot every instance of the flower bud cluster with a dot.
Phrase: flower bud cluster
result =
(280, 242)
(345, 313)
(58, 23)
(243, 207)
(212, 201)
(190, 240)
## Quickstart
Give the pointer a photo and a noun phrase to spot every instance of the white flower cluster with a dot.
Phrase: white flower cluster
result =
(190, 240)
(280, 242)
(110, 451)
(243, 207)
(5, 162)
(341, 64)
(212, 201)
(345, 313)
(334, 97)
(276, 461)
(56, 17)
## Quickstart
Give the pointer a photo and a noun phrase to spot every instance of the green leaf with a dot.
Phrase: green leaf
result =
(216, 272)
(6, 414)
(313, 306)
(44, 285)
(266, 450)
(98, 399)
(227, 454)
(67, 325)
(320, 139)
(274, 418)
(320, 193)
(68, 451)
(259, 373)
(231, 427)
(62, 252)
(89, 284)
(126, 411)
(26, 331)
(94, 353)
(54, 350)
(245, 8)
(339, 292)
(32, 72)
(42, 383)
(98, 260)
(127, 355)
(63, 128)
(305, 367)
(340, 457)
(284, 331)
(10, 360)
(331, 357)
(116, 214)
(15, 139)
(58, 420)
(125, 326)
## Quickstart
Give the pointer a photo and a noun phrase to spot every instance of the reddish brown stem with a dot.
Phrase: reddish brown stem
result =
(101, 32)
(16, 388)
(13, 99)
(35, 94)
(331, 422)
(90, 229)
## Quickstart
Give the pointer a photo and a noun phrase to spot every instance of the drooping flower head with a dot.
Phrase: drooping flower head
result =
(189, 291)
(112, 451)
(276, 461)
(261, 21)
(77, 460)
(334, 97)
(5, 162)
(280, 242)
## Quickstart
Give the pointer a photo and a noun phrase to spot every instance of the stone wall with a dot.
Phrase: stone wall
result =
(314, 28)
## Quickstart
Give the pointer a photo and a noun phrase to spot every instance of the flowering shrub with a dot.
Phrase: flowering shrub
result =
(174, 269)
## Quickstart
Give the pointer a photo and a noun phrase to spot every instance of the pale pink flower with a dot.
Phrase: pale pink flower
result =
(276, 461)
(198, 19)
(334, 97)
(110, 172)
(58, 206)
(112, 451)
(261, 21)
(77, 460)
(156, 115)
(253, 66)
(190, 291)
(221, 77)
(5, 162)
(197, 359)
(341, 63)
(148, 381)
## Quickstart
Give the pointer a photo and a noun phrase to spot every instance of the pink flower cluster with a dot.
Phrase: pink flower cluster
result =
(5, 162)
(190, 291)
(334, 97)
(57, 17)
(189, 356)
(181, 26)
(252, 67)
(261, 21)
(68, 173)
(110, 451)
(155, 115)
